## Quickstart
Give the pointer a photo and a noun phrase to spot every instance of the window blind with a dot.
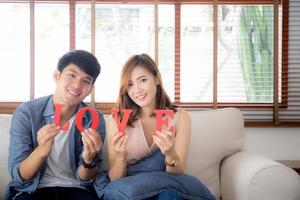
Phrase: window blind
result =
(292, 112)
(242, 74)
(14, 48)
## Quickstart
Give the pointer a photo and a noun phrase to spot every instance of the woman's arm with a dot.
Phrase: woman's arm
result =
(175, 147)
(117, 151)
(182, 142)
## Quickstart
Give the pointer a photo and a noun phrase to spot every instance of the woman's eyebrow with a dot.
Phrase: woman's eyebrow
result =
(143, 76)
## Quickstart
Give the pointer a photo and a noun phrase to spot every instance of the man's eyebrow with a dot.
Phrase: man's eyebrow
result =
(72, 70)
(87, 77)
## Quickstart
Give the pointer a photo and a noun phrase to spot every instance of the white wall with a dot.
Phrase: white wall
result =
(274, 143)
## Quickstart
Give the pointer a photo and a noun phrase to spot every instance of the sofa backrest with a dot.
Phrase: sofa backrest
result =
(216, 134)
(5, 121)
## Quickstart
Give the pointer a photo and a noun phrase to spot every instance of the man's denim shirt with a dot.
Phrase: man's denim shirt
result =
(26, 122)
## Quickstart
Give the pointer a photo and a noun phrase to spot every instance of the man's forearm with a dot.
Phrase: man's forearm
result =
(31, 165)
(86, 174)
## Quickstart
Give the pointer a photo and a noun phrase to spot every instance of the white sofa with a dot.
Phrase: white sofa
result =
(217, 158)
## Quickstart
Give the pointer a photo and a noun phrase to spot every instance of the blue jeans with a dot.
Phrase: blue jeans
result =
(168, 195)
(147, 180)
(57, 193)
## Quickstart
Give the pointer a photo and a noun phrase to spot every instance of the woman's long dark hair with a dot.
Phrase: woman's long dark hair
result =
(124, 101)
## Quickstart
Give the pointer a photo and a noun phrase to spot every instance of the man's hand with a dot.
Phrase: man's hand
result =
(92, 143)
(45, 138)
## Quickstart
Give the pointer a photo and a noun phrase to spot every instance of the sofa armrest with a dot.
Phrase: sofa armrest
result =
(245, 176)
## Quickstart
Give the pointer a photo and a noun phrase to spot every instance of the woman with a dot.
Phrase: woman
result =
(140, 157)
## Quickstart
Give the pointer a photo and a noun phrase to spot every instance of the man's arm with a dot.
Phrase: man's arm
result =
(92, 144)
(24, 161)
(31, 165)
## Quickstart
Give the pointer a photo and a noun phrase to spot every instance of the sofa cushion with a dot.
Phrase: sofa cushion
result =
(5, 121)
(216, 134)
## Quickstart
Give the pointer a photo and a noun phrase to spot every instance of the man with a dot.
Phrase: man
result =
(48, 160)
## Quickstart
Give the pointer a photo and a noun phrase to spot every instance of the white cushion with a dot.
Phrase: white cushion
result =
(246, 176)
(5, 121)
(218, 134)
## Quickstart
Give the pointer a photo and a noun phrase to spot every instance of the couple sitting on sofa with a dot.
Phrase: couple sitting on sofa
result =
(49, 161)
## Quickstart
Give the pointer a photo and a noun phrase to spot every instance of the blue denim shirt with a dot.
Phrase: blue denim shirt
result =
(26, 122)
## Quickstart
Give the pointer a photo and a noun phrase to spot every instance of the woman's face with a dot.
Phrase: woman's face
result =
(142, 87)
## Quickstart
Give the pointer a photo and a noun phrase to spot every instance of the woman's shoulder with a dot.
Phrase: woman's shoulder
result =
(111, 125)
(182, 113)
(110, 120)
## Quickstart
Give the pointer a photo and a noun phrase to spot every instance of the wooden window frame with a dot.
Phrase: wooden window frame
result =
(9, 107)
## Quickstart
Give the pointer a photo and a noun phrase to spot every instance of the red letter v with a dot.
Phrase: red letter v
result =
(121, 125)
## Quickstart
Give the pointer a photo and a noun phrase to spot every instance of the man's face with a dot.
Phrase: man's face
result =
(72, 85)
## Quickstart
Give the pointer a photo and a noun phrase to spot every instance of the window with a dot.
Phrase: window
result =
(51, 41)
(196, 69)
(121, 31)
(14, 50)
(210, 55)
(245, 53)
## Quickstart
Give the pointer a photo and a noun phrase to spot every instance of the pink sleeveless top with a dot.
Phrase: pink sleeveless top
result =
(137, 146)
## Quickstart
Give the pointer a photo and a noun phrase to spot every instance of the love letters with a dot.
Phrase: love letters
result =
(121, 124)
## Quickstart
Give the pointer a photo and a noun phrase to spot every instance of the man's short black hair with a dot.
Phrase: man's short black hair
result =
(86, 61)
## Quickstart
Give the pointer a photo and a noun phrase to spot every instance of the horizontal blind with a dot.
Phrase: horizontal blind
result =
(166, 46)
(122, 30)
(110, 14)
(149, 1)
(261, 78)
(292, 112)
(245, 53)
(196, 53)
(52, 40)
(14, 51)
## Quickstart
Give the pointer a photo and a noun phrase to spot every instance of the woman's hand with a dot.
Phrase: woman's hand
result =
(118, 143)
(92, 143)
(165, 140)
